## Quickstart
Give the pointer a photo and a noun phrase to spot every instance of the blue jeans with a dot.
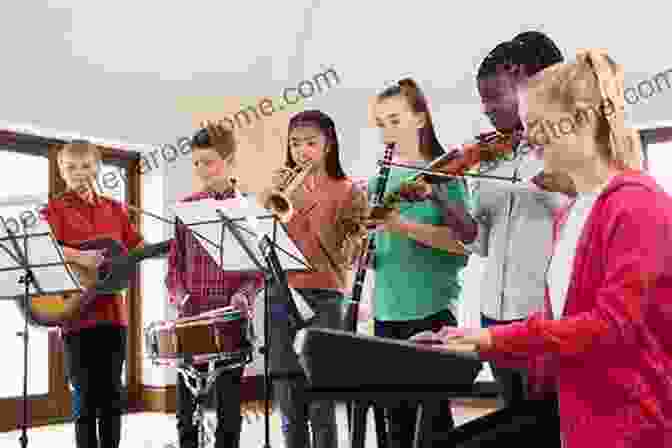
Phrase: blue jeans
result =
(512, 381)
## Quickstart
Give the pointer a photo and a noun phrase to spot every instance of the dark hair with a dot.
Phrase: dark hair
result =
(226, 145)
(532, 50)
(430, 148)
(325, 124)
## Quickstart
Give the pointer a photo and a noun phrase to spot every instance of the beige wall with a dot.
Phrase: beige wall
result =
(261, 145)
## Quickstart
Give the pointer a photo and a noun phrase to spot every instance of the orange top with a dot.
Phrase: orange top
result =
(320, 228)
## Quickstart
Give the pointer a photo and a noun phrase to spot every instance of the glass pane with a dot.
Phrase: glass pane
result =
(24, 193)
(112, 182)
(660, 160)
(11, 322)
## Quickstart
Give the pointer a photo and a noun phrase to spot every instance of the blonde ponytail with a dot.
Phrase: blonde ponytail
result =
(594, 82)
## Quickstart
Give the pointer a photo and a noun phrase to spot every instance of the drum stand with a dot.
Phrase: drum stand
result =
(202, 383)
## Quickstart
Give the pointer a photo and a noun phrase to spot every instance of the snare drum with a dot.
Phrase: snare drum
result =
(217, 334)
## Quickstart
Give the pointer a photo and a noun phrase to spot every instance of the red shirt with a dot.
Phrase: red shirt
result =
(610, 355)
(74, 220)
(192, 270)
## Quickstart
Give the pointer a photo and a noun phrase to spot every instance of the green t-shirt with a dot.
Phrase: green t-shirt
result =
(413, 280)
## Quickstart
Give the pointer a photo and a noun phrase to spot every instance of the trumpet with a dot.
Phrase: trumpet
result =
(277, 199)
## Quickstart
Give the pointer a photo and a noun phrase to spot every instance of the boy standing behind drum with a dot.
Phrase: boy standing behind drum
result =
(192, 272)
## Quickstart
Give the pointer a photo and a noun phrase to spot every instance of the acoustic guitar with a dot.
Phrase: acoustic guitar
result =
(111, 277)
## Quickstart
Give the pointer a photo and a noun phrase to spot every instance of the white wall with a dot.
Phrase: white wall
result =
(119, 70)
(126, 71)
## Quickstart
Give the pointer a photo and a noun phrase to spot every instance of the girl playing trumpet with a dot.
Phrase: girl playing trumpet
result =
(326, 225)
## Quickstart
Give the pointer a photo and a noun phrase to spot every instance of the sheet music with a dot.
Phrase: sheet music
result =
(252, 221)
(42, 249)
(305, 310)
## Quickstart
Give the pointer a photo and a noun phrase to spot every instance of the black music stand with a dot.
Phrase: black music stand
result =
(249, 226)
(273, 274)
(54, 278)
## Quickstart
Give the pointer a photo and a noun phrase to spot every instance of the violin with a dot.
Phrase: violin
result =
(488, 150)
(491, 147)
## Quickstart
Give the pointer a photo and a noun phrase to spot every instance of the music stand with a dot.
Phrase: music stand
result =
(249, 225)
(47, 275)
(274, 274)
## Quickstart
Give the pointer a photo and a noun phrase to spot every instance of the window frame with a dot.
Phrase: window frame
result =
(55, 406)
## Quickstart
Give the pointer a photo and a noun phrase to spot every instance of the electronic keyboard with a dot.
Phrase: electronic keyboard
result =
(335, 359)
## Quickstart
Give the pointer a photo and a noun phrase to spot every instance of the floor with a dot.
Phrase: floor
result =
(157, 430)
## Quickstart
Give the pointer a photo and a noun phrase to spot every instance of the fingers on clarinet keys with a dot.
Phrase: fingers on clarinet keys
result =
(380, 213)
(415, 191)
(378, 216)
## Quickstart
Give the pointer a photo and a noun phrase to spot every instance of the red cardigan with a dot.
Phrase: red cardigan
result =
(610, 355)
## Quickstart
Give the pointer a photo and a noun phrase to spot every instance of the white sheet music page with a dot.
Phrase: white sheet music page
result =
(302, 306)
(44, 255)
(202, 217)
(291, 258)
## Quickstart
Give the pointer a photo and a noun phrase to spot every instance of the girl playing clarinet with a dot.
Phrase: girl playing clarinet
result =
(419, 259)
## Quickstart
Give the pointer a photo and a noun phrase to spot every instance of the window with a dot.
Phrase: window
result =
(112, 181)
(20, 197)
(30, 175)
(659, 157)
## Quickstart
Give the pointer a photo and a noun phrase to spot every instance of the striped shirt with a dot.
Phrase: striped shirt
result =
(191, 270)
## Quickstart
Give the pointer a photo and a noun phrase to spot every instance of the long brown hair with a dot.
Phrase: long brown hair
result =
(321, 121)
(430, 148)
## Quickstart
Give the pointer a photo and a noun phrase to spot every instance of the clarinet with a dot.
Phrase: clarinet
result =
(375, 201)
